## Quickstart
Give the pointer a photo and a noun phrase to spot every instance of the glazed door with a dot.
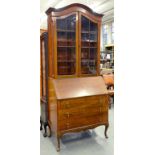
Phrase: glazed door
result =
(66, 45)
(88, 46)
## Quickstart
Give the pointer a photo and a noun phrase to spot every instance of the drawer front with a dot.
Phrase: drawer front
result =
(75, 123)
(81, 112)
(84, 102)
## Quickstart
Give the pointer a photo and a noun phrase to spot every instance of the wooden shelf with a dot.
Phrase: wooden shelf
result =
(87, 47)
(66, 46)
(88, 60)
(67, 61)
(63, 40)
(61, 30)
(63, 67)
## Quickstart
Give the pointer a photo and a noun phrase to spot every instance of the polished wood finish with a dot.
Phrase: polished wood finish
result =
(77, 97)
(75, 7)
(79, 87)
(77, 104)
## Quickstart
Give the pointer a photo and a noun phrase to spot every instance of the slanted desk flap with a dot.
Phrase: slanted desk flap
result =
(79, 87)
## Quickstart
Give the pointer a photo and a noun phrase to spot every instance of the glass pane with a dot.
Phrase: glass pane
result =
(93, 26)
(71, 37)
(93, 60)
(62, 38)
(89, 34)
(62, 24)
(85, 24)
(92, 66)
(93, 44)
(66, 51)
(93, 37)
(93, 53)
(85, 37)
(71, 22)
(85, 53)
(61, 35)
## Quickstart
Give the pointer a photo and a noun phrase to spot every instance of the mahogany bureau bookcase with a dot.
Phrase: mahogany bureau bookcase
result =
(77, 96)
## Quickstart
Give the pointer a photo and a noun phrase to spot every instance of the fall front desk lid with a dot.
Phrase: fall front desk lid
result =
(79, 87)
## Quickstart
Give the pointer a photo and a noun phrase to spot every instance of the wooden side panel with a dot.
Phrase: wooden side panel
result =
(50, 47)
(52, 106)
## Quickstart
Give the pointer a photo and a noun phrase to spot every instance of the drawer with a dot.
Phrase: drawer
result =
(75, 123)
(80, 112)
(66, 104)
(84, 102)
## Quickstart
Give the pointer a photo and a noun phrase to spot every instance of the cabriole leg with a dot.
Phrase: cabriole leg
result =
(58, 143)
(105, 132)
(49, 132)
(45, 129)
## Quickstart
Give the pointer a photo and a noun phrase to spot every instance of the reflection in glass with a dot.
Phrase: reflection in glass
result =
(93, 26)
(85, 36)
(71, 22)
(85, 24)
